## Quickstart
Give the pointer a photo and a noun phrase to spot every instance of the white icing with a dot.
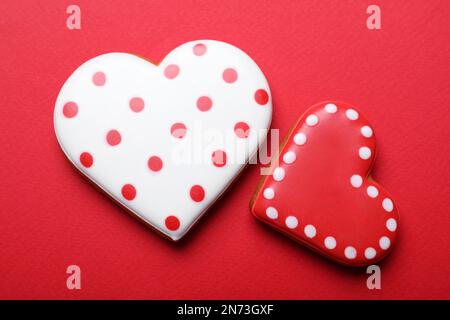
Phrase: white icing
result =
(291, 222)
(170, 95)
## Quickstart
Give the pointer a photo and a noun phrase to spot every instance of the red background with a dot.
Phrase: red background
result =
(309, 51)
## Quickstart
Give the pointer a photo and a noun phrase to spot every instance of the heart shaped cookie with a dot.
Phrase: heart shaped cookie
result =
(320, 191)
(165, 140)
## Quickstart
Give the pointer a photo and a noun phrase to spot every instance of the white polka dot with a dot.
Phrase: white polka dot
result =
(272, 213)
(269, 193)
(300, 139)
(388, 205)
(310, 231)
(366, 131)
(372, 191)
(312, 120)
(364, 153)
(350, 253)
(391, 224)
(384, 243)
(289, 157)
(291, 222)
(370, 253)
(352, 114)
(330, 243)
(356, 180)
(278, 174)
(331, 108)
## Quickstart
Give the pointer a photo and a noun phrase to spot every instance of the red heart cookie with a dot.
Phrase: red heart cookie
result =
(320, 192)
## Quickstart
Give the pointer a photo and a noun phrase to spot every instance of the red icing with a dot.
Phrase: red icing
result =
(241, 129)
(199, 49)
(99, 79)
(70, 109)
(204, 103)
(113, 137)
(178, 130)
(261, 96)
(172, 223)
(317, 192)
(229, 75)
(197, 193)
(86, 159)
(219, 158)
(171, 71)
(129, 192)
(137, 104)
(155, 163)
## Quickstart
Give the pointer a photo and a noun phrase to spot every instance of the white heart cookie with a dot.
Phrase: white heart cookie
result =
(165, 140)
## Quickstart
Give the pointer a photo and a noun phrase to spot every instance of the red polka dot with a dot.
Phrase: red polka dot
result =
(86, 159)
(113, 137)
(155, 163)
(204, 103)
(137, 104)
(261, 96)
(230, 75)
(242, 130)
(171, 71)
(99, 78)
(172, 223)
(219, 158)
(199, 49)
(197, 193)
(178, 130)
(70, 109)
(129, 192)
